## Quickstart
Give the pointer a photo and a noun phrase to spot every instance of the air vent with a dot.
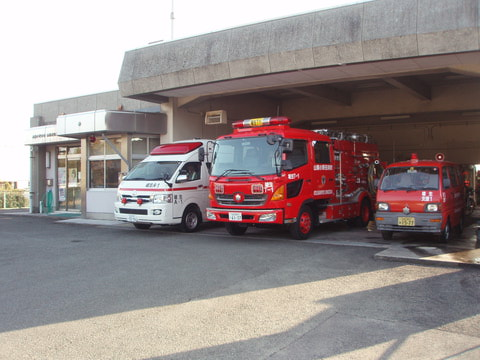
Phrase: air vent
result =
(216, 117)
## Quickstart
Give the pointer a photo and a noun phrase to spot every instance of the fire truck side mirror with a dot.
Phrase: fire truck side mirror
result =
(287, 165)
(287, 145)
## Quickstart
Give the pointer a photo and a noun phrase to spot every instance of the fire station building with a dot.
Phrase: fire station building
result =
(406, 72)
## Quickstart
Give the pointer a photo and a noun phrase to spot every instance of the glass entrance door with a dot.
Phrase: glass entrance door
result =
(69, 176)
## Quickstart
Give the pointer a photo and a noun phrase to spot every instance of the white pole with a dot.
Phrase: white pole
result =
(172, 17)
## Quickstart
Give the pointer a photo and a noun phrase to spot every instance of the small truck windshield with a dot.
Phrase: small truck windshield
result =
(410, 178)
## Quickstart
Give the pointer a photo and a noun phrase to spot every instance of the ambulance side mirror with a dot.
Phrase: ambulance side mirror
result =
(181, 178)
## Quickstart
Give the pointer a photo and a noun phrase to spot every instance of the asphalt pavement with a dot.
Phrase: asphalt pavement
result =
(72, 288)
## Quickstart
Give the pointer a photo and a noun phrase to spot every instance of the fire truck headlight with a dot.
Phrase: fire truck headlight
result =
(161, 199)
(432, 208)
(382, 206)
(267, 217)
(210, 215)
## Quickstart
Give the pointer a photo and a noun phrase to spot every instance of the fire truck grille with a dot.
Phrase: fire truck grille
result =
(134, 211)
(249, 200)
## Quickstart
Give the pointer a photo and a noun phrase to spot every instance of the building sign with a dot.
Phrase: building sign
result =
(45, 135)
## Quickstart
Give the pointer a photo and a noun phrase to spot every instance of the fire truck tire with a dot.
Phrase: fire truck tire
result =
(446, 234)
(142, 226)
(365, 214)
(235, 229)
(191, 219)
(301, 229)
(387, 235)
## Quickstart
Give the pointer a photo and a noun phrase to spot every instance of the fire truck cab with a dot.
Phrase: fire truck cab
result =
(169, 187)
(267, 172)
(421, 196)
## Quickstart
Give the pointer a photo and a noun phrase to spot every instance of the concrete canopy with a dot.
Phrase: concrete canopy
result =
(405, 44)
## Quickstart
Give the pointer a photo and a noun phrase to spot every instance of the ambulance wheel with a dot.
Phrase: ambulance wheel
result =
(191, 219)
(446, 234)
(235, 229)
(142, 226)
(387, 235)
(301, 229)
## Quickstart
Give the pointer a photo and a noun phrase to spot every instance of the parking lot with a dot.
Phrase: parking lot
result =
(81, 289)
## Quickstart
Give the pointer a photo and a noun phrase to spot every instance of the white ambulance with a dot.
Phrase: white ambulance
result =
(169, 187)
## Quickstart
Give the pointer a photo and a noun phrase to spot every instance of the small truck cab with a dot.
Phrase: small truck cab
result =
(421, 196)
(169, 187)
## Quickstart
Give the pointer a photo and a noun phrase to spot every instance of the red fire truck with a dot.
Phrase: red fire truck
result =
(421, 196)
(267, 172)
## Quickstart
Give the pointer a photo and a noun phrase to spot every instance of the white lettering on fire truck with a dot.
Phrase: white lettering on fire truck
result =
(322, 192)
(269, 186)
(293, 176)
(427, 196)
(322, 167)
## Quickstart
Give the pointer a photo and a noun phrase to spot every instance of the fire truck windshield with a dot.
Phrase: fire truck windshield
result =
(252, 155)
(410, 178)
(153, 170)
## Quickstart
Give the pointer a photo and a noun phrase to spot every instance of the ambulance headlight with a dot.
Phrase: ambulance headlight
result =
(383, 206)
(432, 207)
(162, 199)
(267, 217)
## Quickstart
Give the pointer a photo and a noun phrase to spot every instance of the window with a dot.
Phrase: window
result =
(104, 164)
(446, 180)
(298, 156)
(192, 170)
(322, 152)
(142, 146)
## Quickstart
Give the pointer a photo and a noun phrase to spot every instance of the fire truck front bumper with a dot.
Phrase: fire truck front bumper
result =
(415, 222)
(268, 216)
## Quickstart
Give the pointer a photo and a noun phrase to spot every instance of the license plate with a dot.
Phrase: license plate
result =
(132, 218)
(406, 221)
(235, 216)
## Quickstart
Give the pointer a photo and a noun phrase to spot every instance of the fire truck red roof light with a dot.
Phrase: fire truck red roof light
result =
(279, 120)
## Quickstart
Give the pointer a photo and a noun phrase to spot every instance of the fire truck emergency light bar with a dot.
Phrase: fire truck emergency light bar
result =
(279, 120)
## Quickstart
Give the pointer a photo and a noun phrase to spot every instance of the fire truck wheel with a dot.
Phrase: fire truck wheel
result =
(301, 229)
(387, 235)
(191, 219)
(142, 226)
(446, 234)
(235, 229)
(365, 213)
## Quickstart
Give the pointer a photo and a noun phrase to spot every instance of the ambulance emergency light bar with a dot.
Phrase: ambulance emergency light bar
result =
(266, 121)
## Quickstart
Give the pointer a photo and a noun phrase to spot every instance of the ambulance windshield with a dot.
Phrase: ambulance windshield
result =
(246, 156)
(153, 170)
(410, 178)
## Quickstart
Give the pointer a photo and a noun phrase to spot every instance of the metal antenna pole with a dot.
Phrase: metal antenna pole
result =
(172, 17)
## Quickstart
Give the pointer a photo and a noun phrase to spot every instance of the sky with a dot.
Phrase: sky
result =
(58, 49)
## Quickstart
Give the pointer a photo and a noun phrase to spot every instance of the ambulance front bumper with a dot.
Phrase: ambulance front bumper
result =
(267, 216)
(415, 222)
(157, 215)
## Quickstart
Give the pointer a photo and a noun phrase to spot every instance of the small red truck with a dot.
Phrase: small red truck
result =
(421, 196)
(267, 172)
